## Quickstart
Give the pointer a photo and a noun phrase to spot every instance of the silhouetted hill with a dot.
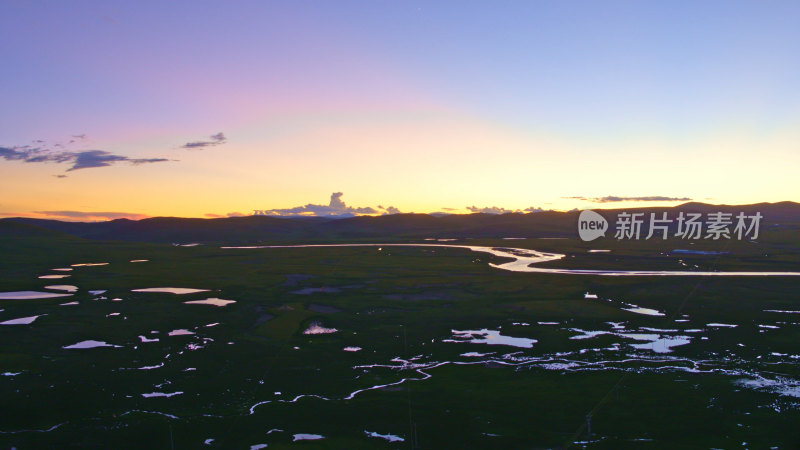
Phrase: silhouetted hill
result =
(174, 229)
(398, 226)
(17, 228)
(772, 212)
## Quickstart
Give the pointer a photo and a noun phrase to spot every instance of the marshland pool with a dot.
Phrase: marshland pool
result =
(498, 347)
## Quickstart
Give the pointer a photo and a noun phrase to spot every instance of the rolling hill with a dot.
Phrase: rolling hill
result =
(252, 229)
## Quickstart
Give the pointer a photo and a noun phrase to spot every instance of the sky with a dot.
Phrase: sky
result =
(209, 109)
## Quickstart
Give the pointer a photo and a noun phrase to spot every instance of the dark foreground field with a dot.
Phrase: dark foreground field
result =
(686, 378)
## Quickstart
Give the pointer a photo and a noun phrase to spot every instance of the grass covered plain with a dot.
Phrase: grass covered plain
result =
(248, 369)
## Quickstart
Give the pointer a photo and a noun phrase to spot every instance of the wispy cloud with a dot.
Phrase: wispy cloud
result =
(221, 216)
(335, 208)
(84, 159)
(18, 153)
(389, 210)
(614, 198)
(490, 210)
(499, 210)
(213, 140)
(99, 158)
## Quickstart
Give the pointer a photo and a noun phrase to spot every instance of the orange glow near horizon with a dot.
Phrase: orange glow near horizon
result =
(416, 165)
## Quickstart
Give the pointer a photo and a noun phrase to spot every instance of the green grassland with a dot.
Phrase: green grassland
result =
(393, 302)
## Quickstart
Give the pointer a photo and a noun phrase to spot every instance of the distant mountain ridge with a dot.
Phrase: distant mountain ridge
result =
(396, 226)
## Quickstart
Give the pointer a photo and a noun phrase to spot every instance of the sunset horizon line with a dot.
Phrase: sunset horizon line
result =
(95, 216)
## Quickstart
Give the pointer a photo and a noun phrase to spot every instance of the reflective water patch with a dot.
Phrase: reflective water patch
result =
(63, 287)
(210, 301)
(171, 290)
(22, 320)
(307, 437)
(90, 344)
(490, 337)
(387, 437)
(317, 328)
(29, 295)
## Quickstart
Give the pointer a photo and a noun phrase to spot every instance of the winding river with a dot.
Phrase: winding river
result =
(524, 258)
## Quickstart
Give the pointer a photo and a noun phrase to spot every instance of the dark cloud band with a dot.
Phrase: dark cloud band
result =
(86, 159)
(214, 140)
(613, 198)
